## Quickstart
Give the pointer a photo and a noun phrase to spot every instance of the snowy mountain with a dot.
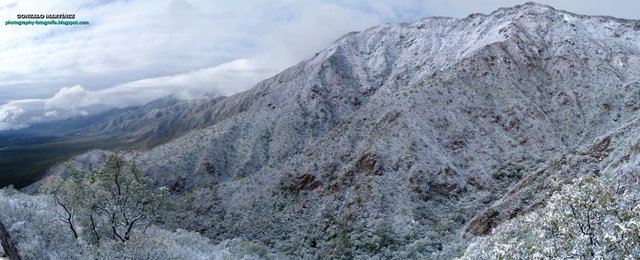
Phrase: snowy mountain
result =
(411, 139)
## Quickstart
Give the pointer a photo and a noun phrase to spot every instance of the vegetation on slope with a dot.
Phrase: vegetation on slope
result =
(585, 220)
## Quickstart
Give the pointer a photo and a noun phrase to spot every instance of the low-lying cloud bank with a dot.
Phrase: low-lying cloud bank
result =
(77, 100)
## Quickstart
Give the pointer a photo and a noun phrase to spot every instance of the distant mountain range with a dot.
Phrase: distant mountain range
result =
(26, 154)
(403, 140)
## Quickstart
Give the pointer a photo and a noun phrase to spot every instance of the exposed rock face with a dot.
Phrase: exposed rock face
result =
(9, 249)
(414, 136)
(482, 224)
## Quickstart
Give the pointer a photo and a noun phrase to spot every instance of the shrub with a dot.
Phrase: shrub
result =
(584, 220)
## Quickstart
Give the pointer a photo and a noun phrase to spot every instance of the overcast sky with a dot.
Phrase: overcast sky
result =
(137, 50)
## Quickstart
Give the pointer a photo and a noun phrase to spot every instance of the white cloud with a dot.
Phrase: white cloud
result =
(71, 99)
(8, 116)
(9, 113)
(48, 114)
(224, 79)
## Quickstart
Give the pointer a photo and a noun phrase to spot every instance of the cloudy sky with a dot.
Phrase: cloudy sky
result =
(134, 51)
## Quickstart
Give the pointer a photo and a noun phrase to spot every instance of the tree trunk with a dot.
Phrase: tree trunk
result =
(10, 249)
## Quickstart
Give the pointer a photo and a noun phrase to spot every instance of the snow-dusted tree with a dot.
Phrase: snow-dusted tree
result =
(109, 203)
(586, 219)
(30, 219)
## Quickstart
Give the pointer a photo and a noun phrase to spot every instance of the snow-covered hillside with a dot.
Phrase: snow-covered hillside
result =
(412, 139)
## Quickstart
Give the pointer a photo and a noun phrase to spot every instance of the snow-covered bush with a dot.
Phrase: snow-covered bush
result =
(586, 219)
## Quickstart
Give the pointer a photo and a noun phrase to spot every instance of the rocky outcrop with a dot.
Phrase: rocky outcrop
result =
(10, 250)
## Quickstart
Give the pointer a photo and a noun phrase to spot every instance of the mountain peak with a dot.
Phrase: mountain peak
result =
(529, 8)
(534, 5)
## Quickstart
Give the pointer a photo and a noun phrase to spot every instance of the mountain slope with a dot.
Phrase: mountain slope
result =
(412, 138)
